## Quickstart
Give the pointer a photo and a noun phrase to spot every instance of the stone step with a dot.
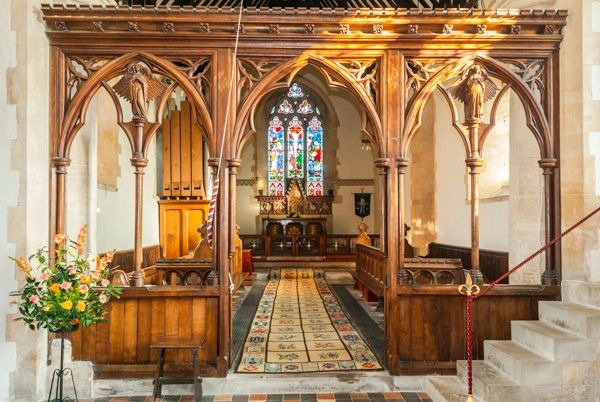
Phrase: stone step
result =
(553, 342)
(579, 292)
(522, 364)
(489, 383)
(446, 389)
(583, 320)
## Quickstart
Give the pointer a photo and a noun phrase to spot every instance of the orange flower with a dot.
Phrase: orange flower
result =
(55, 287)
(23, 265)
(82, 240)
(59, 239)
(85, 279)
(109, 256)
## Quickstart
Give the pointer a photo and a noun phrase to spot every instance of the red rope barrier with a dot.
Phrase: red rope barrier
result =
(472, 293)
(538, 252)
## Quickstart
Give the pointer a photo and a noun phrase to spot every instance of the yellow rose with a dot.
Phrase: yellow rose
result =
(67, 305)
(55, 287)
(80, 306)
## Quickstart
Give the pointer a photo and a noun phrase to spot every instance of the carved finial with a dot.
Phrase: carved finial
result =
(239, 28)
(378, 29)
(139, 87)
(363, 237)
(448, 29)
(309, 28)
(132, 26)
(468, 288)
(203, 249)
(204, 27)
(474, 89)
(60, 26)
(481, 29)
(97, 26)
(515, 29)
(344, 29)
(168, 27)
(549, 30)
(413, 29)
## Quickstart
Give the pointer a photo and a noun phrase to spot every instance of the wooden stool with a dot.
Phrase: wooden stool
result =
(174, 344)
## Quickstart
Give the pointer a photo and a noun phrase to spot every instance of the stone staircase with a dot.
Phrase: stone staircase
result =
(553, 359)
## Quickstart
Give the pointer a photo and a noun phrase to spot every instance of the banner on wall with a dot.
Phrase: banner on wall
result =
(362, 204)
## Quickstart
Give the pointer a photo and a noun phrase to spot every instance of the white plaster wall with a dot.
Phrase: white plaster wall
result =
(452, 208)
(116, 208)
(9, 182)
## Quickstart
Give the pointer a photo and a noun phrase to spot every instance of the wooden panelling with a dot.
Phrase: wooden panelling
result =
(493, 263)
(182, 155)
(166, 160)
(197, 162)
(139, 317)
(178, 225)
(428, 323)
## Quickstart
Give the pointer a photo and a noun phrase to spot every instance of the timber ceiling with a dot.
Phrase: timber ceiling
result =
(312, 3)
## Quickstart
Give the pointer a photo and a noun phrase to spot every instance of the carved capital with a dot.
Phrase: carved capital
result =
(382, 164)
(213, 163)
(234, 164)
(548, 165)
(61, 164)
(402, 164)
(474, 164)
(139, 162)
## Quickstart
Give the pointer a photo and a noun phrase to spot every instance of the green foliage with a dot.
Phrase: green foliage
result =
(66, 290)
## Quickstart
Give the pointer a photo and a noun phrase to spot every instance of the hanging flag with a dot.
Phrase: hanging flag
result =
(362, 204)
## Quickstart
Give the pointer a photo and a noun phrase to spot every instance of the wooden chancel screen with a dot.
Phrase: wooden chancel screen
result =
(389, 60)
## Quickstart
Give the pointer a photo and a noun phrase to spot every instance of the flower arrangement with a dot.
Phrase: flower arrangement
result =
(70, 290)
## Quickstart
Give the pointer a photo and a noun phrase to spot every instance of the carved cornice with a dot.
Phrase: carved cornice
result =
(268, 23)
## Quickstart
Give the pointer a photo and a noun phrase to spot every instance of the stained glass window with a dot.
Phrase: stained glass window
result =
(295, 144)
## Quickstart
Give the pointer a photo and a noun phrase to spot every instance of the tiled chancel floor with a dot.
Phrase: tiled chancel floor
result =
(322, 397)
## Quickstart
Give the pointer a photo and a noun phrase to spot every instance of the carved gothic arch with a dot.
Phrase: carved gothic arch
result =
(244, 126)
(535, 117)
(74, 117)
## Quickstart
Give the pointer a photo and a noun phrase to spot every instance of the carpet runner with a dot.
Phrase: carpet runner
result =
(299, 326)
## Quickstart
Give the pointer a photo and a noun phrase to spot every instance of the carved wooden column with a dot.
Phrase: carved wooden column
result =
(403, 276)
(213, 164)
(139, 163)
(383, 165)
(234, 164)
(60, 165)
(549, 276)
(474, 163)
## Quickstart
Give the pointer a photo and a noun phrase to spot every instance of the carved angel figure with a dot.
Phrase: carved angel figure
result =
(139, 87)
(474, 89)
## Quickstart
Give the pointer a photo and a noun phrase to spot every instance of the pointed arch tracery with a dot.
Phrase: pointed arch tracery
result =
(74, 116)
(535, 117)
(335, 74)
